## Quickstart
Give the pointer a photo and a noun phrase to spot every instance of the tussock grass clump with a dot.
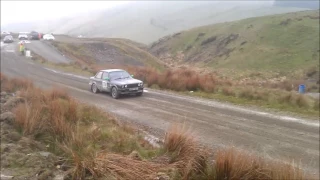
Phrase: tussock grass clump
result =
(302, 101)
(43, 113)
(294, 99)
(186, 154)
(232, 164)
(178, 139)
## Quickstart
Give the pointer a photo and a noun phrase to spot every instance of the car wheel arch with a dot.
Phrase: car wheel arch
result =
(113, 85)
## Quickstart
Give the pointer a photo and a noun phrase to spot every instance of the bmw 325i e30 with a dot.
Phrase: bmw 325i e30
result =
(117, 82)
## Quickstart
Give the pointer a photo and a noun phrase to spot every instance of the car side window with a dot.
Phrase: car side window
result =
(99, 75)
(105, 75)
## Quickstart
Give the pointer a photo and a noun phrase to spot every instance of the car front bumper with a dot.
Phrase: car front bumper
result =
(130, 91)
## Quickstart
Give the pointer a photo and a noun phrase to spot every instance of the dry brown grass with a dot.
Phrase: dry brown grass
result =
(80, 131)
(178, 139)
(279, 170)
(122, 167)
(11, 85)
(187, 155)
(46, 112)
(228, 91)
(233, 164)
(302, 101)
(294, 99)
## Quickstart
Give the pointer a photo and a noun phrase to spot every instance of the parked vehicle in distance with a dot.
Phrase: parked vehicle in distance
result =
(8, 39)
(4, 34)
(117, 82)
(48, 37)
(34, 35)
(23, 36)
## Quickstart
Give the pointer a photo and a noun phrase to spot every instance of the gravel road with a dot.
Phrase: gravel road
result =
(47, 51)
(216, 124)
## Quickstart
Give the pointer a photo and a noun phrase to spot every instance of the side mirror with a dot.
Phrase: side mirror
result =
(107, 79)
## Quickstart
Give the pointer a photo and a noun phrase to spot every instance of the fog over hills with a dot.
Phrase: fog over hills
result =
(146, 22)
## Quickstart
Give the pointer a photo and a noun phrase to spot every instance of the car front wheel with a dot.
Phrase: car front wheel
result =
(139, 94)
(94, 88)
(114, 93)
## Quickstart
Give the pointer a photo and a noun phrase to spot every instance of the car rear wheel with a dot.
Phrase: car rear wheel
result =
(114, 93)
(94, 88)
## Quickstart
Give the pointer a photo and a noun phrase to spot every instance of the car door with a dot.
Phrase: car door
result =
(98, 80)
(105, 82)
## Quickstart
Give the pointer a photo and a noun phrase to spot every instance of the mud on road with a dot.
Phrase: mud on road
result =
(215, 124)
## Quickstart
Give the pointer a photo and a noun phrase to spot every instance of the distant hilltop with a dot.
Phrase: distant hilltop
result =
(314, 4)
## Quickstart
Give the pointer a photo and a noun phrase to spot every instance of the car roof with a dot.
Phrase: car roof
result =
(112, 70)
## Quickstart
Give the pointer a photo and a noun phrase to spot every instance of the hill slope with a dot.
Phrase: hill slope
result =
(148, 21)
(279, 42)
(107, 51)
(302, 4)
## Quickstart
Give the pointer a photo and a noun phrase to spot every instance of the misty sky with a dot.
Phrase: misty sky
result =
(30, 11)
(26, 11)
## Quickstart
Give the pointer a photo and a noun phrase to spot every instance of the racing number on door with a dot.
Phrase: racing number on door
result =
(104, 84)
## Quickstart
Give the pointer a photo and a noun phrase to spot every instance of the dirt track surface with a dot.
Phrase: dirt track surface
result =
(47, 51)
(216, 124)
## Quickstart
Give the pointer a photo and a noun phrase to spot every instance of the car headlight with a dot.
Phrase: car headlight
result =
(124, 86)
(140, 84)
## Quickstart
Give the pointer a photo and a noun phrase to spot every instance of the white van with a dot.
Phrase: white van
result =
(23, 35)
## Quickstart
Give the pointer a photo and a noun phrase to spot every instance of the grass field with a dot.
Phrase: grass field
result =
(275, 44)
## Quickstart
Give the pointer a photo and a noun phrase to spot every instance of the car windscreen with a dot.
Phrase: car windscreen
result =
(119, 75)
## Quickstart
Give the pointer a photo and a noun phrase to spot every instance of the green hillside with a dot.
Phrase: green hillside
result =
(284, 43)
